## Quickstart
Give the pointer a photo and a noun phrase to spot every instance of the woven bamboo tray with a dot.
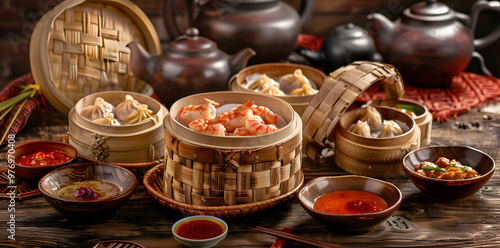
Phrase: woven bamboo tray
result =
(79, 48)
(154, 184)
(338, 92)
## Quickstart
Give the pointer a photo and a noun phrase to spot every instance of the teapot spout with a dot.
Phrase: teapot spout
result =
(142, 63)
(381, 30)
(240, 59)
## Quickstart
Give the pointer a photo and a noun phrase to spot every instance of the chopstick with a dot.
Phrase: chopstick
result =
(295, 238)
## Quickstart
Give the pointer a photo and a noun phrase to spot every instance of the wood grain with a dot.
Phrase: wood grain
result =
(419, 222)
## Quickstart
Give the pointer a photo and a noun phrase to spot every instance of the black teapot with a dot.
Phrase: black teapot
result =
(343, 45)
(431, 43)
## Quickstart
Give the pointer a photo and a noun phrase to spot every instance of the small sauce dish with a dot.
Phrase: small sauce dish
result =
(200, 231)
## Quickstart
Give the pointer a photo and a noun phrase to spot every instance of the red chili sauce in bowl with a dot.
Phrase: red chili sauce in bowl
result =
(350, 202)
(43, 158)
(199, 229)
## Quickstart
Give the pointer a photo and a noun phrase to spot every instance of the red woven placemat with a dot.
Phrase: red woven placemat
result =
(468, 90)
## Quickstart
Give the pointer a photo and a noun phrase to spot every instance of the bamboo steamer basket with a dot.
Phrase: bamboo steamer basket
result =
(276, 70)
(79, 48)
(321, 117)
(375, 157)
(226, 171)
(423, 118)
(131, 146)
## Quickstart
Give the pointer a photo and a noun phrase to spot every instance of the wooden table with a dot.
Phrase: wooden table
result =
(419, 222)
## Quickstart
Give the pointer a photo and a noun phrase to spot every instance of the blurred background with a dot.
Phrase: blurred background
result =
(18, 19)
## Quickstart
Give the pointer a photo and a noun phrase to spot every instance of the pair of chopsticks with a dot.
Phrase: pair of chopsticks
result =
(295, 238)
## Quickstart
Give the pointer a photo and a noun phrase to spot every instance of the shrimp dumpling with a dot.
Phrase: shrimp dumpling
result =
(390, 129)
(127, 107)
(373, 118)
(360, 128)
(290, 82)
(142, 113)
(98, 110)
(108, 119)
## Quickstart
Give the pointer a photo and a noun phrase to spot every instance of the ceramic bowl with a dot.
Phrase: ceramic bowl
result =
(350, 224)
(205, 243)
(32, 174)
(88, 211)
(450, 190)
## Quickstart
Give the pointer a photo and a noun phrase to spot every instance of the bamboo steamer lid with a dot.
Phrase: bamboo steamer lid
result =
(79, 48)
(338, 92)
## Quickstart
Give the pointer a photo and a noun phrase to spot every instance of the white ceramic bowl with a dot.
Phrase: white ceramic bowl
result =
(201, 243)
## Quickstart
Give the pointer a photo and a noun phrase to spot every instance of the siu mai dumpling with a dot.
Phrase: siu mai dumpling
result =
(141, 114)
(290, 82)
(390, 129)
(108, 119)
(360, 128)
(98, 110)
(127, 107)
(373, 118)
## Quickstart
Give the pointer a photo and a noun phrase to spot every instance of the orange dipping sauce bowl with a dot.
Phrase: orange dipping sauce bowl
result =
(359, 203)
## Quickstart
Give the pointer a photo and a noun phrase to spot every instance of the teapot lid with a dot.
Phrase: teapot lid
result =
(191, 42)
(349, 31)
(430, 10)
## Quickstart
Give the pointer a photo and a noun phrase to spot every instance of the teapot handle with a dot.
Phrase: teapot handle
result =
(169, 15)
(476, 9)
(305, 12)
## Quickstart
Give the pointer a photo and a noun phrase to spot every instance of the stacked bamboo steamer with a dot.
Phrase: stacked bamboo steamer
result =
(376, 158)
(79, 48)
(140, 143)
(206, 170)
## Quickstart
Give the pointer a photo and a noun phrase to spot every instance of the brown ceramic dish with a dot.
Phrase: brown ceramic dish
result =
(88, 211)
(450, 190)
(350, 224)
(32, 174)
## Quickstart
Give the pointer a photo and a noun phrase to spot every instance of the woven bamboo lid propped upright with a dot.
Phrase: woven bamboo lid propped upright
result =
(79, 48)
(338, 92)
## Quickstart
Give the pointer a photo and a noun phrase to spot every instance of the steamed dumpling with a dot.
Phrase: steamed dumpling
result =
(141, 114)
(290, 82)
(124, 109)
(98, 110)
(390, 129)
(306, 90)
(360, 128)
(373, 118)
(263, 81)
(108, 119)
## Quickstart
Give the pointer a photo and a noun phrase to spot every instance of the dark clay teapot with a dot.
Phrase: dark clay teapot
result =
(191, 64)
(343, 45)
(431, 43)
(270, 27)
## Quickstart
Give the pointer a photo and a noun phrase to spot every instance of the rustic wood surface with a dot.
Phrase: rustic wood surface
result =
(419, 222)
